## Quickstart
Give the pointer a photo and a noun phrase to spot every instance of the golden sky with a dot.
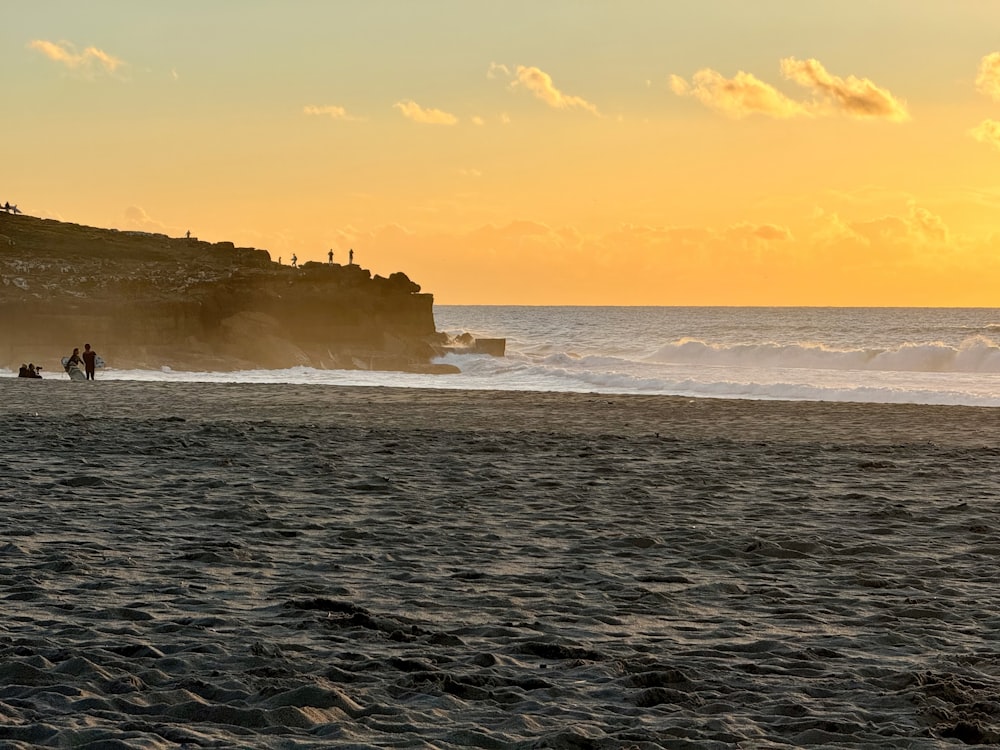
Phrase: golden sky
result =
(584, 152)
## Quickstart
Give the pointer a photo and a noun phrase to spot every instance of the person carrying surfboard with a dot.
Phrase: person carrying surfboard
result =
(89, 361)
(72, 364)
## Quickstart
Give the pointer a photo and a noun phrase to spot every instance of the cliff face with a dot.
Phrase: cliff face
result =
(148, 301)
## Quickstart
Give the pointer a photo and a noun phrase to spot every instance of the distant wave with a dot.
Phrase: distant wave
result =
(977, 354)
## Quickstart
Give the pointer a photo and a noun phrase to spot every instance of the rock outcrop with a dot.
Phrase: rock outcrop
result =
(149, 301)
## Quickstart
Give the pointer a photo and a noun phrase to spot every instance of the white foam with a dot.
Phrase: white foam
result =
(975, 354)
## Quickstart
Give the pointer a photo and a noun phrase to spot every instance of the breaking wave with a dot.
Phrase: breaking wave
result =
(977, 354)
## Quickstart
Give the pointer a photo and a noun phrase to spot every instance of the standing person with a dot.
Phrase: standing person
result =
(89, 361)
(74, 358)
(350, 257)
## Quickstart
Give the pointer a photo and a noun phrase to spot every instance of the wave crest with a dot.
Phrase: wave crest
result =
(977, 354)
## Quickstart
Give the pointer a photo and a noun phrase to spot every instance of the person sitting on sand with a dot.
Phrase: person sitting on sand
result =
(32, 372)
(89, 361)
(23, 372)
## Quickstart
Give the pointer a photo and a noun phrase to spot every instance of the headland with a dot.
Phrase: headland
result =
(149, 301)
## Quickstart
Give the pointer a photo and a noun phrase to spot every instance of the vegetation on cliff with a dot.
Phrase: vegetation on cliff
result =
(149, 301)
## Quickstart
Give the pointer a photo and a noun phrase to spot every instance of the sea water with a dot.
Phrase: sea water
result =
(891, 355)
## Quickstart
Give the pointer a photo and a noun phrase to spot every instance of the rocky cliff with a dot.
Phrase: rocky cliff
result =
(148, 301)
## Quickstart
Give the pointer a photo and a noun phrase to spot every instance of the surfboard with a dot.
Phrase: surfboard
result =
(74, 371)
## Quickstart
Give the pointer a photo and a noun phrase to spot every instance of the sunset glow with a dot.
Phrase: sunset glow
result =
(600, 153)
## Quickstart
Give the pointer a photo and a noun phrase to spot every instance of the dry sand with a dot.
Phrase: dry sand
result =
(192, 565)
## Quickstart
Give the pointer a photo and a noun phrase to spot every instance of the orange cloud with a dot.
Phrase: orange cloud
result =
(66, 54)
(856, 97)
(988, 80)
(413, 111)
(737, 97)
(328, 110)
(745, 94)
(988, 132)
(539, 83)
(919, 227)
(136, 218)
(760, 232)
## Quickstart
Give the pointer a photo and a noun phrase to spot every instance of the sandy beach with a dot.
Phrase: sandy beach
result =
(274, 566)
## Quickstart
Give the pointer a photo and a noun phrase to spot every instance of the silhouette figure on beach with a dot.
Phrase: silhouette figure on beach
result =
(350, 257)
(89, 361)
(74, 358)
(29, 371)
(330, 256)
(295, 261)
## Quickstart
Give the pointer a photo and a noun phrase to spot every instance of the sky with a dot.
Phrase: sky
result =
(551, 152)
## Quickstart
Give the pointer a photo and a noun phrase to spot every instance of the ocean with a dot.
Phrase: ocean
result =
(885, 355)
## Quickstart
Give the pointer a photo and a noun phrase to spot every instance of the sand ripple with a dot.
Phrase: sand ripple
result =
(266, 566)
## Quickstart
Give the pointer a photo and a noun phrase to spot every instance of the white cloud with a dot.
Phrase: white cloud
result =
(332, 111)
(540, 83)
(737, 97)
(413, 111)
(857, 97)
(988, 132)
(90, 60)
(744, 94)
(988, 80)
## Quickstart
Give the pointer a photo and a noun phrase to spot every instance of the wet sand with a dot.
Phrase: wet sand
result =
(194, 565)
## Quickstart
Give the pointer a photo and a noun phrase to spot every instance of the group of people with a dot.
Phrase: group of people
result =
(88, 359)
(29, 371)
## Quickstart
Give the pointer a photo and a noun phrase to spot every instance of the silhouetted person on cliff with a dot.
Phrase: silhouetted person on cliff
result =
(295, 261)
(330, 256)
(350, 257)
(89, 361)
